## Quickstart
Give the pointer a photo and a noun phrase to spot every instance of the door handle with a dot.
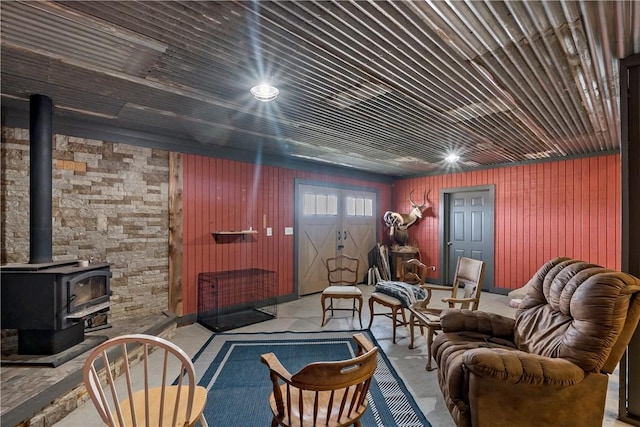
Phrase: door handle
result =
(339, 235)
(345, 234)
(449, 243)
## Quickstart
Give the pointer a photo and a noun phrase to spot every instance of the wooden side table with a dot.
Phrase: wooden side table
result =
(398, 256)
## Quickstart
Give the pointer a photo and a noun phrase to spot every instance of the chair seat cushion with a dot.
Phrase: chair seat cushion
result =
(385, 299)
(342, 290)
(155, 408)
(406, 293)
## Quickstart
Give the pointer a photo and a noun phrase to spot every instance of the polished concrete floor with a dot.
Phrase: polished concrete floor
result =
(304, 314)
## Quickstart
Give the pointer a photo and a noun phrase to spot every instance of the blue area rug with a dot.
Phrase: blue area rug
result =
(238, 383)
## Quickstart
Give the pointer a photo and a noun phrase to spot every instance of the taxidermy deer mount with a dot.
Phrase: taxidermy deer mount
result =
(398, 223)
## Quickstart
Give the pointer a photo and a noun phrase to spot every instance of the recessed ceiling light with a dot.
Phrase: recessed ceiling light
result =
(452, 158)
(265, 92)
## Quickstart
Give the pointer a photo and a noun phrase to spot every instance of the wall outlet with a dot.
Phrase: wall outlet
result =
(288, 231)
(269, 231)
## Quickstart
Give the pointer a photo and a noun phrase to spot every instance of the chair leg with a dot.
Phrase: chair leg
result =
(430, 333)
(359, 310)
(395, 321)
(322, 301)
(371, 312)
(274, 422)
(394, 316)
(203, 421)
(411, 326)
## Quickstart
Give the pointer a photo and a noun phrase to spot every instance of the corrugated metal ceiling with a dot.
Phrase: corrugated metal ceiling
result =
(385, 87)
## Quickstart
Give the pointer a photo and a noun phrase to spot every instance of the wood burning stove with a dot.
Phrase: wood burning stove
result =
(48, 302)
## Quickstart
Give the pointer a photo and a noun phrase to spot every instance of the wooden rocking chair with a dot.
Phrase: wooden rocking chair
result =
(330, 394)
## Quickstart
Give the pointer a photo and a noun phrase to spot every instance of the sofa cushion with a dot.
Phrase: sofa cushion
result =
(406, 293)
(448, 352)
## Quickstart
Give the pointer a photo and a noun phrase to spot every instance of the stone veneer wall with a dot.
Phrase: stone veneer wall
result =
(110, 203)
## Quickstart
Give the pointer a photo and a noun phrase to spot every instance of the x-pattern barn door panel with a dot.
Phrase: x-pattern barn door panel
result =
(332, 221)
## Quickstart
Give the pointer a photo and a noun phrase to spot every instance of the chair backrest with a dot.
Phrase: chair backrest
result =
(580, 312)
(413, 271)
(470, 273)
(116, 402)
(324, 393)
(343, 270)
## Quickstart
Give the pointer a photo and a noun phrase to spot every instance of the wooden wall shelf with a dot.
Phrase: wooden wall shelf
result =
(218, 235)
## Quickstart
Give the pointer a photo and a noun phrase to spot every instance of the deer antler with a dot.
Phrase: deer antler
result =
(424, 199)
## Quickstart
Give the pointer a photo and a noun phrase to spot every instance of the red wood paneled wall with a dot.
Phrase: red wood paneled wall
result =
(227, 195)
(566, 208)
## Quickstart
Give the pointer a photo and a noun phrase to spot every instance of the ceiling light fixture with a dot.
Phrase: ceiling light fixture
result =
(452, 158)
(265, 92)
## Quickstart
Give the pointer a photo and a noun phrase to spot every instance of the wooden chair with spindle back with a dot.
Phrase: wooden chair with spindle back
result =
(159, 402)
(322, 393)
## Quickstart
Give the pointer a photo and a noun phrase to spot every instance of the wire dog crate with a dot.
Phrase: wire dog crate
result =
(235, 298)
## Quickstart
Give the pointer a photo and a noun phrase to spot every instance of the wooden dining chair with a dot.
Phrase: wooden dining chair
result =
(168, 396)
(470, 274)
(396, 296)
(343, 273)
(330, 394)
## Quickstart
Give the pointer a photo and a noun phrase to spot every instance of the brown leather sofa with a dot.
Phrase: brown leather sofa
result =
(548, 367)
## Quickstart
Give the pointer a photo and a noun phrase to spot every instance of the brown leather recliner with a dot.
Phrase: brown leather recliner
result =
(548, 367)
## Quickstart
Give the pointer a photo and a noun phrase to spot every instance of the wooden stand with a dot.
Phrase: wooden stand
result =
(398, 256)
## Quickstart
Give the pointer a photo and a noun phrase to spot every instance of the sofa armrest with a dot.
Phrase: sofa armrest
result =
(518, 367)
(494, 325)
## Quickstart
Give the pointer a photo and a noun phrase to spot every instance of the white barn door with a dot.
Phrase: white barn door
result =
(331, 221)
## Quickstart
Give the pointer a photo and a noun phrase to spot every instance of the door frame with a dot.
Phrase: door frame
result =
(446, 195)
(340, 186)
(629, 387)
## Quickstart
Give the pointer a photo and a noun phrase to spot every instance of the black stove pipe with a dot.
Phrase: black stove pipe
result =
(40, 179)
